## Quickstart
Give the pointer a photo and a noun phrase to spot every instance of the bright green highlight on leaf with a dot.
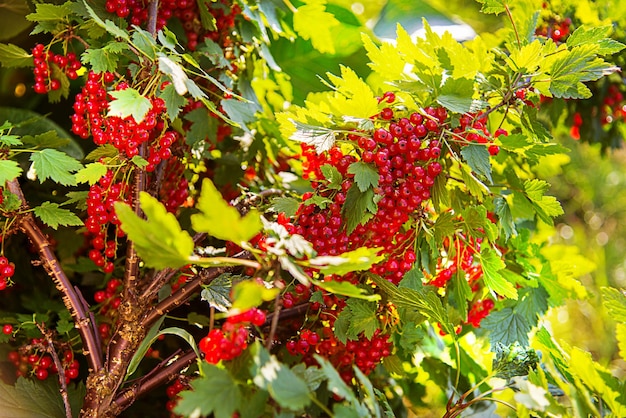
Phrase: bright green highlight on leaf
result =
(221, 220)
(159, 239)
(313, 22)
(357, 260)
(492, 264)
(129, 102)
(9, 170)
(249, 294)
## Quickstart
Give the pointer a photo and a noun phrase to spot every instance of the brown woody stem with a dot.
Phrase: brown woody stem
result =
(72, 300)
(60, 370)
(164, 372)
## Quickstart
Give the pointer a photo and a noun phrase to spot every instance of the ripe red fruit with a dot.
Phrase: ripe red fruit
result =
(7, 329)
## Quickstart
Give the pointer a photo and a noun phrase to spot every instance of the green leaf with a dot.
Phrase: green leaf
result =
(321, 138)
(206, 18)
(289, 390)
(345, 289)
(493, 6)
(335, 384)
(49, 12)
(423, 299)
(620, 334)
(358, 207)
(203, 126)
(312, 21)
(504, 215)
(287, 205)
(598, 379)
(159, 240)
(491, 263)
(105, 58)
(361, 317)
(240, 112)
(221, 220)
(362, 258)
(214, 392)
(456, 95)
(217, 293)
(129, 102)
(173, 101)
(36, 399)
(477, 157)
(365, 175)
(513, 360)
(546, 207)
(250, 293)
(507, 327)
(141, 351)
(91, 173)
(53, 216)
(333, 176)
(55, 165)
(9, 170)
(597, 36)
(104, 151)
(14, 56)
(614, 302)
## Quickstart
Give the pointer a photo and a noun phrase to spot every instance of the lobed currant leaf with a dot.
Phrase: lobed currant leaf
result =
(312, 22)
(55, 165)
(221, 220)
(214, 392)
(361, 259)
(365, 176)
(217, 293)
(129, 102)
(491, 263)
(159, 239)
(9, 170)
(13, 56)
(332, 175)
(53, 216)
(248, 294)
(91, 173)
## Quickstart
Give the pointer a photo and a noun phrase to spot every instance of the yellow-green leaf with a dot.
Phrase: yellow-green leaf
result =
(159, 239)
(221, 220)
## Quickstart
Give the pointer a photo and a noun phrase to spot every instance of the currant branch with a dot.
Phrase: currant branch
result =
(183, 294)
(164, 372)
(72, 299)
(59, 366)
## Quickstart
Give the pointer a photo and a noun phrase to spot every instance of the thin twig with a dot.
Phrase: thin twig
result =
(183, 294)
(60, 370)
(275, 317)
(86, 328)
(161, 374)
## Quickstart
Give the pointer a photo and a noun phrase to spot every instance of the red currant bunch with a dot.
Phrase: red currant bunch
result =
(7, 270)
(43, 59)
(33, 360)
(172, 391)
(229, 342)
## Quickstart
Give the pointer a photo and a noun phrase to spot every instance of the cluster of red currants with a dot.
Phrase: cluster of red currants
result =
(7, 270)
(472, 129)
(186, 11)
(109, 301)
(44, 59)
(127, 135)
(101, 199)
(172, 392)
(405, 155)
(553, 26)
(33, 360)
(229, 342)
